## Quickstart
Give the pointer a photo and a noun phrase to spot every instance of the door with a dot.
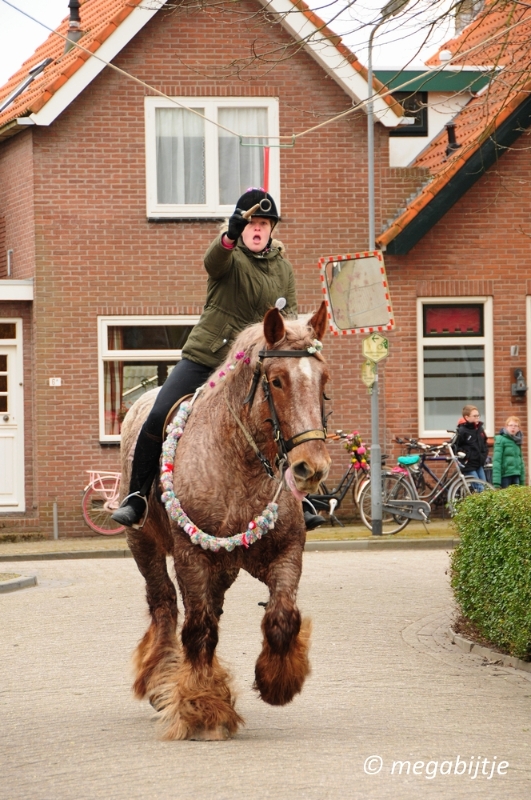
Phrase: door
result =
(11, 424)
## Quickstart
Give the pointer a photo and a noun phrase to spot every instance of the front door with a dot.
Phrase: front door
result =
(11, 419)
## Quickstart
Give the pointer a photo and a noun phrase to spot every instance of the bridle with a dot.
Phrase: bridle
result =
(284, 446)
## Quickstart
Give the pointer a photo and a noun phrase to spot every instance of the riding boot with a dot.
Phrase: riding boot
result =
(145, 468)
(312, 520)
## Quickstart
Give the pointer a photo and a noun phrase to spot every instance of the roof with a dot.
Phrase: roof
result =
(484, 128)
(111, 24)
(100, 18)
(440, 80)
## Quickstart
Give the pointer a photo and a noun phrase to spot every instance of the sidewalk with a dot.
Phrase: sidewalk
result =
(438, 534)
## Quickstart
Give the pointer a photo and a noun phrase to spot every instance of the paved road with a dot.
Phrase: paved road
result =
(386, 682)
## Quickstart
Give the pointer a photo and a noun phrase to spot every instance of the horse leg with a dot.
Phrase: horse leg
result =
(201, 705)
(283, 664)
(157, 656)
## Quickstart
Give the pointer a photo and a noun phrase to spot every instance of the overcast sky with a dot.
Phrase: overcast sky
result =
(20, 36)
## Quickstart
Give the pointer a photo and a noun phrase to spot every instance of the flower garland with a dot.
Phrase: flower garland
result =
(357, 450)
(257, 528)
(315, 347)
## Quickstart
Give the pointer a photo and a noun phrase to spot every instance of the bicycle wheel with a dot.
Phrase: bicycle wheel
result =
(459, 490)
(394, 487)
(95, 514)
(357, 486)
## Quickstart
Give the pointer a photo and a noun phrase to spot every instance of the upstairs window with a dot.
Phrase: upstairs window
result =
(415, 105)
(196, 166)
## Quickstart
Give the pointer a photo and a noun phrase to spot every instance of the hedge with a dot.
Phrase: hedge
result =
(491, 567)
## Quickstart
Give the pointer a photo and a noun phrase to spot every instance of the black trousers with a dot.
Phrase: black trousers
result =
(185, 378)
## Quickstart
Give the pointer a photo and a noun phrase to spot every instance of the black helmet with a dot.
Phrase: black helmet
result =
(267, 205)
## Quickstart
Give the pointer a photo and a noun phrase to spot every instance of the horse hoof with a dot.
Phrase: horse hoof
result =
(219, 734)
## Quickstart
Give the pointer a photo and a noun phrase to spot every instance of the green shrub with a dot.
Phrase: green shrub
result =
(491, 567)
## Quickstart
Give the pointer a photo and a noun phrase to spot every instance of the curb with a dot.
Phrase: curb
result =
(17, 583)
(385, 543)
(467, 646)
(67, 555)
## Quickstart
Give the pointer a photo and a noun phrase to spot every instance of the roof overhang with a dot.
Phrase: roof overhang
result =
(15, 290)
(490, 151)
(334, 58)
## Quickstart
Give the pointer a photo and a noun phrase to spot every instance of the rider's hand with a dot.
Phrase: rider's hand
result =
(237, 224)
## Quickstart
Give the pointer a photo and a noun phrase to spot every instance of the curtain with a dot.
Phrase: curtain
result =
(180, 138)
(113, 382)
(240, 166)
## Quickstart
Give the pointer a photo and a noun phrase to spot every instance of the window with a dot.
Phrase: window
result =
(415, 105)
(196, 167)
(455, 362)
(136, 354)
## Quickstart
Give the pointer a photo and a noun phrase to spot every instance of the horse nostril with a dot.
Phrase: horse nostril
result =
(302, 470)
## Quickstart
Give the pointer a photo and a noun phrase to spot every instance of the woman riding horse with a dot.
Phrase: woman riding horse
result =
(248, 274)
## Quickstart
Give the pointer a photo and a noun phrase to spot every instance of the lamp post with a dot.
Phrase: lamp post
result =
(391, 9)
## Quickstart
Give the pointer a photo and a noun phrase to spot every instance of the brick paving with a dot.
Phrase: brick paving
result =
(386, 682)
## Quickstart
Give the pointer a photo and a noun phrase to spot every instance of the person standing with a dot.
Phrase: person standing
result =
(508, 468)
(472, 441)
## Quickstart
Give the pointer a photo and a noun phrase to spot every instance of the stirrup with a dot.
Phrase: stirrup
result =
(138, 525)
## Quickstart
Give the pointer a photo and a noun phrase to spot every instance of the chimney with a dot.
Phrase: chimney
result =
(465, 11)
(74, 32)
(452, 142)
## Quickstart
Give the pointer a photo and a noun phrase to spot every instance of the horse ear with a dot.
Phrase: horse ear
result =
(273, 326)
(318, 321)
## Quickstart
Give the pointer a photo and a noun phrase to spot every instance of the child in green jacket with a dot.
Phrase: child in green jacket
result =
(508, 462)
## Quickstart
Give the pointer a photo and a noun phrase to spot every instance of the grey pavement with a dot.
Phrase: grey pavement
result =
(387, 686)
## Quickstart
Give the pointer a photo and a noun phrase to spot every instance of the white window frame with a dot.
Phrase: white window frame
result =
(212, 207)
(487, 340)
(104, 354)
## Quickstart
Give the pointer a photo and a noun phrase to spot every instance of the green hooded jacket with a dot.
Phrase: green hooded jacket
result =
(507, 459)
(242, 286)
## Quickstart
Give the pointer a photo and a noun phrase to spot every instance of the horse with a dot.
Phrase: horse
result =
(256, 433)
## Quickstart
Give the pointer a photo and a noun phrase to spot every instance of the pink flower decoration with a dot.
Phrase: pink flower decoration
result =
(361, 449)
(247, 360)
(252, 525)
(240, 354)
(221, 374)
(357, 465)
(212, 384)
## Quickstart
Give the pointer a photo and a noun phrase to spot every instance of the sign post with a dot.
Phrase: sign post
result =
(357, 296)
(375, 348)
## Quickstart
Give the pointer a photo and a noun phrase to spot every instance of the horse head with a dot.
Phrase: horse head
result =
(293, 379)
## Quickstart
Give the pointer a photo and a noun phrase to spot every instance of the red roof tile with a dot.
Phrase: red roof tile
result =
(500, 37)
(100, 19)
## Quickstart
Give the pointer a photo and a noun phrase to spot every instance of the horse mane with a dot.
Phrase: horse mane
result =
(298, 335)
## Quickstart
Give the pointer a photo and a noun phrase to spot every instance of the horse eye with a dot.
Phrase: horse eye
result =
(276, 382)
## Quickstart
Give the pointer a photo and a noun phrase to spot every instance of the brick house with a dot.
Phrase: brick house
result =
(101, 272)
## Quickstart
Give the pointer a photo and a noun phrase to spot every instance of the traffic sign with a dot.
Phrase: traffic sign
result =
(368, 373)
(375, 347)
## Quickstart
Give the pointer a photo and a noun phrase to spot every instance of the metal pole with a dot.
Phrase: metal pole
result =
(376, 450)
(55, 522)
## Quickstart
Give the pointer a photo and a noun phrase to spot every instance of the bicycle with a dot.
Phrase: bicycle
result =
(401, 501)
(355, 477)
(100, 499)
